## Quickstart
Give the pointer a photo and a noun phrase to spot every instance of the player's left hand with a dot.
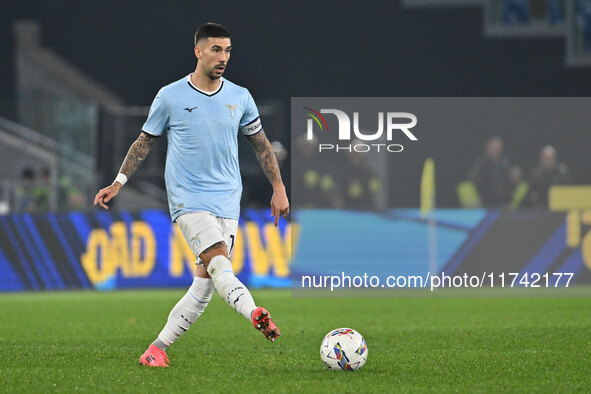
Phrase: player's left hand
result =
(279, 204)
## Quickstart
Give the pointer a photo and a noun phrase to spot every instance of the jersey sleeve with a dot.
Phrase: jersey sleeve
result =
(250, 124)
(159, 116)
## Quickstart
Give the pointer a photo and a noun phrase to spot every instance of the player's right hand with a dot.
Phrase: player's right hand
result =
(106, 194)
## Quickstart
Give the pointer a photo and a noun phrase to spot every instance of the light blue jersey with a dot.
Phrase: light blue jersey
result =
(202, 172)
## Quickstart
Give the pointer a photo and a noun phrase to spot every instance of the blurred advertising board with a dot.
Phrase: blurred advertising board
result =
(104, 250)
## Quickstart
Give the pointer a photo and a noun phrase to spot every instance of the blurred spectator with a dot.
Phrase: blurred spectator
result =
(358, 183)
(468, 196)
(70, 196)
(520, 187)
(25, 197)
(547, 173)
(490, 175)
(313, 185)
(42, 191)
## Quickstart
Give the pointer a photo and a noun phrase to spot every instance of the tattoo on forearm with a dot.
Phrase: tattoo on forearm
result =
(266, 157)
(137, 154)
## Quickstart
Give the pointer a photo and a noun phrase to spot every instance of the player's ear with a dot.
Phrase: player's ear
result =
(197, 50)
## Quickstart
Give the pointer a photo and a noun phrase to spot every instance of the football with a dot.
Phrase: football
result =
(343, 349)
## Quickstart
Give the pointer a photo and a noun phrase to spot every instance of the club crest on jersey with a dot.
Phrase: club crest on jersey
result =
(231, 108)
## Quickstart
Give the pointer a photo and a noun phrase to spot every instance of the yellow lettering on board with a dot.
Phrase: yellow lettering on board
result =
(573, 228)
(278, 256)
(586, 243)
(258, 254)
(115, 252)
(276, 253)
(119, 248)
(292, 235)
(238, 253)
(98, 271)
(586, 249)
(141, 233)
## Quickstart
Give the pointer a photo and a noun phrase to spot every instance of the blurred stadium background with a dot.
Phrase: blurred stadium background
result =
(77, 80)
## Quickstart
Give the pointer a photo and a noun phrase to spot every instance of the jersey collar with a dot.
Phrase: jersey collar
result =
(209, 94)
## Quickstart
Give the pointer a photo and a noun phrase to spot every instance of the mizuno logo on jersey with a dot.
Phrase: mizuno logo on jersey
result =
(232, 108)
(189, 109)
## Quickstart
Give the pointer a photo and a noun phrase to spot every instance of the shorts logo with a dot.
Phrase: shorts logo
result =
(197, 242)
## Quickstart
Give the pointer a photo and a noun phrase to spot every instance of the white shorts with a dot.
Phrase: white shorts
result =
(203, 229)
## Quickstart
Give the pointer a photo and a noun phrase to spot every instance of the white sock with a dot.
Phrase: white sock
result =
(187, 310)
(229, 287)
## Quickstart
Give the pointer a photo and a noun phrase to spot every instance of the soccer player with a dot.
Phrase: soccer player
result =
(202, 114)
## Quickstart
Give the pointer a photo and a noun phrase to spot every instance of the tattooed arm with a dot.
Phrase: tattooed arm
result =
(268, 162)
(135, 156)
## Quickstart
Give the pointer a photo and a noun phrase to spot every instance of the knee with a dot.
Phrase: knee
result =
(218, 249)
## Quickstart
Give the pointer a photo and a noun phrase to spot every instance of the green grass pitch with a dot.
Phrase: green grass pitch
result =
(91, 341)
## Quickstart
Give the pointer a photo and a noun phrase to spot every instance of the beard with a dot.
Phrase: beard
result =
(212, 74)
